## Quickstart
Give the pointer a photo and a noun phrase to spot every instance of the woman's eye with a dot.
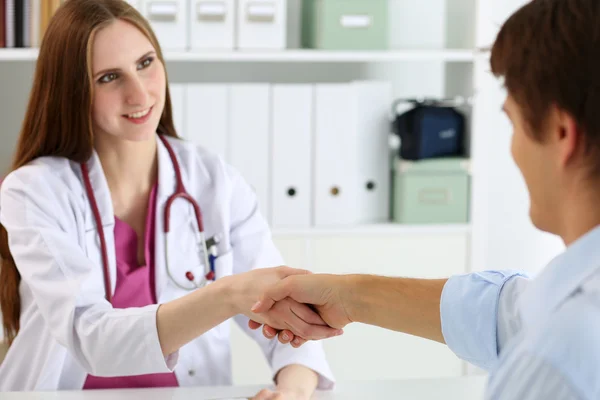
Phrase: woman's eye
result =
(146, 63)
(108, 78)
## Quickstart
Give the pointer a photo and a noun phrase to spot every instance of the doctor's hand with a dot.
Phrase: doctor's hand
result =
(267, 394)
(295, 318)
(328, 294)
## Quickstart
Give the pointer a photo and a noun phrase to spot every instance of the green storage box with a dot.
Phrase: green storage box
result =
(345, 24)
(434, 191)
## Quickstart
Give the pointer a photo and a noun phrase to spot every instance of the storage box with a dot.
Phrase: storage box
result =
(168, 19)
(268, 24)
(212, 24)
(345, 24)
(432, 191)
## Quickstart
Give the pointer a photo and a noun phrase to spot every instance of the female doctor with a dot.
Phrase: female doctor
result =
(124, 249)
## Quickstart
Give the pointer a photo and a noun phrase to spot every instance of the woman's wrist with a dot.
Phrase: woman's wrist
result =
(297, 380)
(235, 292)
(229, 291)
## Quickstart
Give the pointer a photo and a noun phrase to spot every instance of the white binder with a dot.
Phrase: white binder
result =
(291, 153)
(335, 156)
(351, 184)
(268, 24)
(177, 92)
(212, 24)
(207, 116)
(372, 123)
(168, 19)
(249, 138)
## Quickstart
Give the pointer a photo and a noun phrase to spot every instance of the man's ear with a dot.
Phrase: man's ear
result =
(566, 134)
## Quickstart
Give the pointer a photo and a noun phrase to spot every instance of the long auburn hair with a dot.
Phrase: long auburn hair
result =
(58, 120)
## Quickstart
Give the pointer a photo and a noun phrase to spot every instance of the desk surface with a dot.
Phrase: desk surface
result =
(468, 388)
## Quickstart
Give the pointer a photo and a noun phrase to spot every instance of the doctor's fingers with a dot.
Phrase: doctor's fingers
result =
(303, 311)
(267, 394)
(295, 317)
(285, 336)
(254, 325)
(298, 341)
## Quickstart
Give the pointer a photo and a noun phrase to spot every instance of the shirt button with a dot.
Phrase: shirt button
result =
(191, 372)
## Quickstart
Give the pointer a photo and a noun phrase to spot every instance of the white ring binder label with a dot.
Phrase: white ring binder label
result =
(260, 12)
(162, 10)
(356, 21)
(211, 10)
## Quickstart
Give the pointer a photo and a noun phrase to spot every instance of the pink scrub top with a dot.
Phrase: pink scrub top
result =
(135, 288)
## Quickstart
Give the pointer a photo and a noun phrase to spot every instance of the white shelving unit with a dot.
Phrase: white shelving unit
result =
(441, 61)
(303, 56)
(389, 229)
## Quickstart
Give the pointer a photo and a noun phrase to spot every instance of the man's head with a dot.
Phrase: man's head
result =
(548, 54)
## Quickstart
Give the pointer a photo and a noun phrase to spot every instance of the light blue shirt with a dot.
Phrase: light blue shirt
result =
(538, 338)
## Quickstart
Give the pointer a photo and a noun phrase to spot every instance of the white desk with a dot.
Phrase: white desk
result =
(468, 388)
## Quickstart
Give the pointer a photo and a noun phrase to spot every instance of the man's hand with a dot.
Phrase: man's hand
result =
(287, 314)
(327, 294)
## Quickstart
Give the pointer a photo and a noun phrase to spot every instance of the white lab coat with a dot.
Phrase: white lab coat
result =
(68, 329)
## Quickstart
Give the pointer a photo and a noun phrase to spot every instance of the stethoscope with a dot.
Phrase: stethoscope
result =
(209, 254)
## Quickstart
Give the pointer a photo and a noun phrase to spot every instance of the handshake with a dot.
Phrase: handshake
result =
(300, 306)
(296, 305)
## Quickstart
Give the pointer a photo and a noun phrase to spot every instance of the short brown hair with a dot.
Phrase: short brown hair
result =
(548, 53)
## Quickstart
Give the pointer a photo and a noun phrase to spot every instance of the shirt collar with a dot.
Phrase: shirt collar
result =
(561, 278)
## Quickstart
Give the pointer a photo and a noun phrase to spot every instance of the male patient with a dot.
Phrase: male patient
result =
(540, 338)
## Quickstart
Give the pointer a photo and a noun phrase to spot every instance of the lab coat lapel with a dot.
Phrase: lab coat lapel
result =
(105, 208)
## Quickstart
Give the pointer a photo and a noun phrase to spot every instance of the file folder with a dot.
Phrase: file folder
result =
(373, 167)
(168, 19)
(212, 24)
(249, 138)
(352, 171)
(291, 155)
(335, 193)
(207, 116)
(268, 24)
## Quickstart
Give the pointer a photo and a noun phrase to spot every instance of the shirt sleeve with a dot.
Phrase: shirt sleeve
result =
(469, 310)
(253, 247)
(526, 376)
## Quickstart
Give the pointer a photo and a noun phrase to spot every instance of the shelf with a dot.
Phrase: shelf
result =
(289, 56)
(376, 229)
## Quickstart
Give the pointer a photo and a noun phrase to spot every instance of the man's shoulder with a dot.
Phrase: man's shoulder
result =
(570, 340)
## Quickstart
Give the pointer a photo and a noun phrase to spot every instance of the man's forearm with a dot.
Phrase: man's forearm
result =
(406, 305)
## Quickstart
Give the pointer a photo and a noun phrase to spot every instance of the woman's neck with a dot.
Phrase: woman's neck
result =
(131, 168)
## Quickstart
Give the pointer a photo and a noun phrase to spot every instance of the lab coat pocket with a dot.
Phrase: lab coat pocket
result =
(223, 268)
(185, 259)
(206, 359)
(224, 265)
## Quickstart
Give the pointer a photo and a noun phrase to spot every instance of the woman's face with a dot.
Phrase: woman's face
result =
(129, 84)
